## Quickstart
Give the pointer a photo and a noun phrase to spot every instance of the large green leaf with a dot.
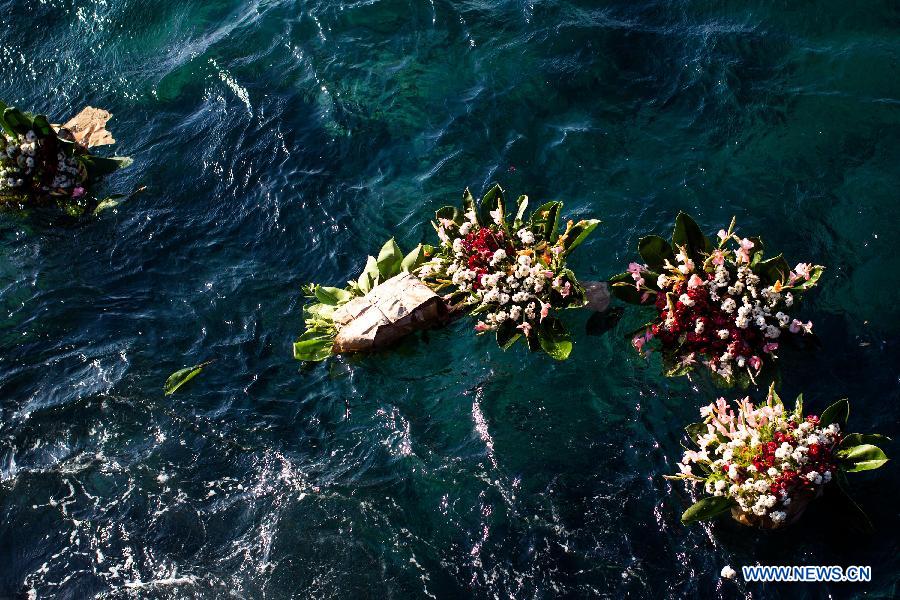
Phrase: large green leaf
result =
(413, 260)
(814, 274)
(451, 213)
(469, 204)
(851, 514)
(655, 251)
(706, 509)
(855, 439)
(864, 457)
(369, 275)
(17, 120)
(688, 234)
(492, 200)
(332, 295)
(389, 259)
(554, 338)
(622, 287)
(100, 166)
(507, 334)
(578, 233)
(181, 377)
(695, 430)
(836, 413)
(521, 205)
(773, 269)
(313, 346)
(42, 126)
(545, 220)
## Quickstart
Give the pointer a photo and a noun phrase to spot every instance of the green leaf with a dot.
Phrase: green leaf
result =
(545, 220)
(695, 430)
(688, 234)
(492, 200)
(798, 407)
(17, 120)
(864, 457)
(773, 269)
(856, 439)
(413, 260)
(622, 287)
(99, 166)
(851, 514)
(451, 213)
(554, 338)
(320, 310)
(507, 334)
(313, 346)
(522, 204)
(469, 204)
(42, 126)
(836, 413)
(706, 509)
(389, 259)
(369, 275)
(655, 251)
(815, 273)
(181, 377)
(578, 233)
(332, 295)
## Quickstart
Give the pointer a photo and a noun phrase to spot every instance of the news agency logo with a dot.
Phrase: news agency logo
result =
(807, 573)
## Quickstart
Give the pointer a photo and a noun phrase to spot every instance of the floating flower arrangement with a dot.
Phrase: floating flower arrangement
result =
(41, 162)
(720, 305)
(509, 271)
(765, 464)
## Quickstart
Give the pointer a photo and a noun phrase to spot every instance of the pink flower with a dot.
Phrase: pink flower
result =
(635, 269)
(481, 326)
(545, 310)
(79, 192)
(718, 257)
(565, 290)
(694, 282)
(797, 326)
(446, 223)
(547, 274)
(755, 362)
(743, 253)
(801, 271)
(638, 283)
(722, 234)
(525, 327)
(770, 347)
(638, 343)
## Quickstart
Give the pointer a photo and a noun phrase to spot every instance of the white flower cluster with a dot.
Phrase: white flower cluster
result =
(515, 287)
(21, 160)
(748, 465)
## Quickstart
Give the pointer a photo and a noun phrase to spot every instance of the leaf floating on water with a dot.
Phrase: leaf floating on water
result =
(182, 376)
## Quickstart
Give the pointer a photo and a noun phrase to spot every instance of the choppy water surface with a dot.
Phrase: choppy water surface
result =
(283, 141)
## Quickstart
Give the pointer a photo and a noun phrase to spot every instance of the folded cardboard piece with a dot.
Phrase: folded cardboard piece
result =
(88, 127)
(393, 309)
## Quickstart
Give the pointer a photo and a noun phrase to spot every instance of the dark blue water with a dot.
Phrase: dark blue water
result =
(281, 142)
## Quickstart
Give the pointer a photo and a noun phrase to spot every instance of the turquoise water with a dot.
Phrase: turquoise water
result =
(282, 142)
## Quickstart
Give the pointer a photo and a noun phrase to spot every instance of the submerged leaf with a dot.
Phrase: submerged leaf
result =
(182, 376)
(706, 509)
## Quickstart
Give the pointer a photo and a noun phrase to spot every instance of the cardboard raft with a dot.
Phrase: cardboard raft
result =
(399, 306)
(403, 305)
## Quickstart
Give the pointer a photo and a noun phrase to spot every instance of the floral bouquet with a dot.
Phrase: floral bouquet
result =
(508, 270)
(765, 464)
(40, 162)
(718, 304)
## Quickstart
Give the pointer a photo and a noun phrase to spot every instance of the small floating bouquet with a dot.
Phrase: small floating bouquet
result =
(508, 270)
(40, 161)
(721, 305)
(765, 464)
